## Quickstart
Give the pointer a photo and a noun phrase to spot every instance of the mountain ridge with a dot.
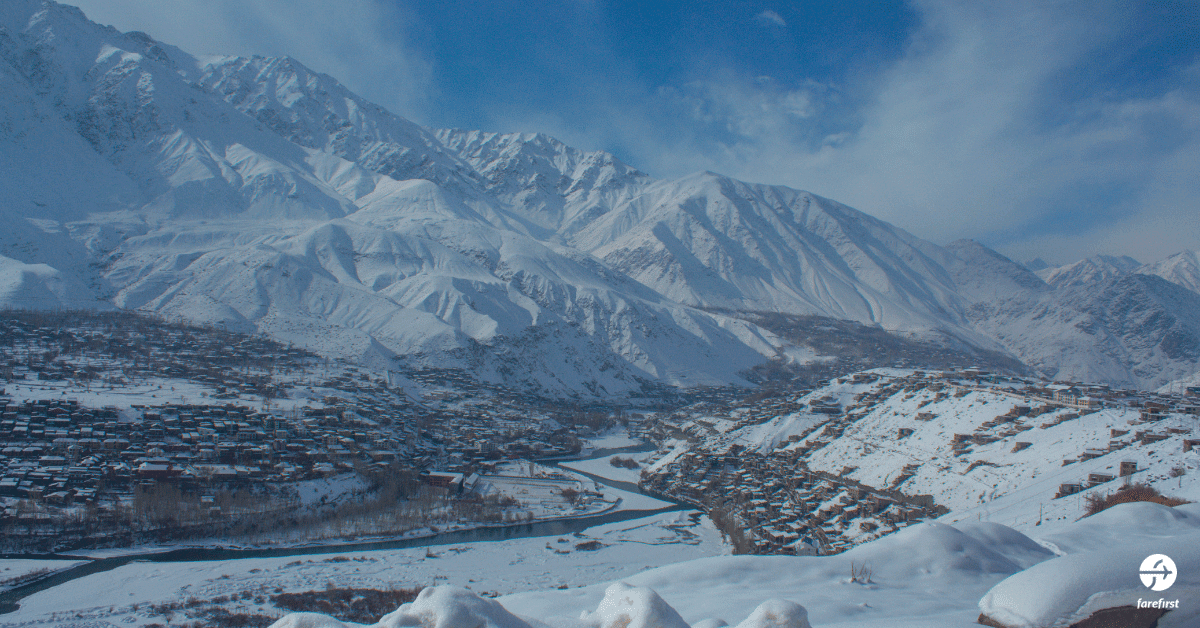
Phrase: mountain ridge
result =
(256, 193)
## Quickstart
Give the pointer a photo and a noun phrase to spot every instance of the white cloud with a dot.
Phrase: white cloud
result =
(359, 42)
(772, 17)
(970, 135)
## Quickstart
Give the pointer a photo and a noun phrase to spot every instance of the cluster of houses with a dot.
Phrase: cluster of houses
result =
(115, 349)
(59, 453)
(68, 458)
(785, 506)
(782, 506)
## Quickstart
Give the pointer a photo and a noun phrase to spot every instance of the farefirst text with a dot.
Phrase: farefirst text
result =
(1159, 603)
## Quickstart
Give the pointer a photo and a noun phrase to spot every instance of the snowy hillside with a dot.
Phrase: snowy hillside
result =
(1134, 330)
(712, 241)
(556, 188)
(263, 196)
(998, 452)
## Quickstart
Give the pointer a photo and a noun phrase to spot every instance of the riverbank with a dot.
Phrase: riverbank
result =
(619, 496)
(633, 505)
(571, 558)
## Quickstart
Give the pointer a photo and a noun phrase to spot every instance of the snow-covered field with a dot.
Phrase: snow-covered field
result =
(620, 550)
(14, 571)
(543, 495)
(603, 467)
(931, 575)
(612, 440)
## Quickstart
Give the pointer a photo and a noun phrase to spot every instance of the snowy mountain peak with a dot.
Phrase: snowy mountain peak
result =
(557, 187)
(1182, 269)
(1092, 269)
(315, 111)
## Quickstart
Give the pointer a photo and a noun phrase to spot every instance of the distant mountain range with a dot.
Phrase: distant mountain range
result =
(259, 195)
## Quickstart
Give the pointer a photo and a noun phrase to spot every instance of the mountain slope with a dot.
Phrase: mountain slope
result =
(711, 241)
(556, 187)
(1132, 330)
(1099, 324)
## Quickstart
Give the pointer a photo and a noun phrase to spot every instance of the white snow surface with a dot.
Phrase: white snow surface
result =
(776, 613)
(603, 467)
(1067, 589)
(1182, 268)
(435, 607)
(633, 607)
(931, 575)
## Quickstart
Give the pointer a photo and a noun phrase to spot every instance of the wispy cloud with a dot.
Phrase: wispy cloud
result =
(972, 134)
(771, 17)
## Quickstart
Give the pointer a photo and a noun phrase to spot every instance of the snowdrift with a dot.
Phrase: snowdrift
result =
(1104, 576)
(623, 606)
(929, 575)
(435, 607)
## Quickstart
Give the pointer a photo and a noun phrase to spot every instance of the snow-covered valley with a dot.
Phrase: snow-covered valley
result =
(1004, 528)
(670, 570)
(255, 328)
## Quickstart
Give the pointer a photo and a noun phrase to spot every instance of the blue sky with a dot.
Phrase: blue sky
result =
(1048, 128)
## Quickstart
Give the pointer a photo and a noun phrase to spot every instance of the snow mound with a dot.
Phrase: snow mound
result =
(451, 607)
(932, 547)
(435, 607)
(1142, 521)
(1068, 589)
(626, 606)
(1007, 542)
(776, 613)
(307, 620)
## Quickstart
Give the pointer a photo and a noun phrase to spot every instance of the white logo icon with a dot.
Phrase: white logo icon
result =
(1158, 572)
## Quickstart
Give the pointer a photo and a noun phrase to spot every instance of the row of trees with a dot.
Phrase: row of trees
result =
(392, 504)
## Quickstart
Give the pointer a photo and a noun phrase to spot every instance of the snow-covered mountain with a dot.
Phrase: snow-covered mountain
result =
(1098, 324)
(1182, 268)
(258, 194)
(1088, 271)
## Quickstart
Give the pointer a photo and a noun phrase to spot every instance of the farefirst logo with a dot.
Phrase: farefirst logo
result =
(1159, 603)
(1158, 572)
